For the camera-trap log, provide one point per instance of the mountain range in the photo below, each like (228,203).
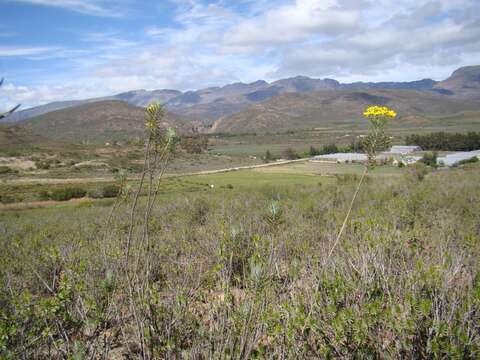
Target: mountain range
(297,102)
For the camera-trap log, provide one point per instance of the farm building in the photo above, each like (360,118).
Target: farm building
(402,149)
(453,158)
(342,157)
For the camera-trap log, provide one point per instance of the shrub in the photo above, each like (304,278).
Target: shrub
(430,159)
(6,199)
(418,171)
(110,191)
(290,154)
(313,151)
(6,170)
(42,165)
(44,195)
(329,149)
(67,194)
(268,157)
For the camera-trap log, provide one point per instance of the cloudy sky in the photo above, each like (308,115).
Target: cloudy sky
(71,49)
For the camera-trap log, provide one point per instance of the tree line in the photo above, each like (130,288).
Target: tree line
(442,141)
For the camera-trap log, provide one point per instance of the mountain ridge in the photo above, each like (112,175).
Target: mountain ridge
(214,102)
(208,106)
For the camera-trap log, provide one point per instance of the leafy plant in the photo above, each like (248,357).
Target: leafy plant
(68,193)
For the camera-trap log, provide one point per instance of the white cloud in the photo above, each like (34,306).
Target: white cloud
(90,7)
(293,22)
(16,51)
(214,43)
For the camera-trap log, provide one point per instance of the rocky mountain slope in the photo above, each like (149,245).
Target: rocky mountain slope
(340,108)
(463,83)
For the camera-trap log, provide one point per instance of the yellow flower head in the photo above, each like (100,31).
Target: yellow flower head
(379,112)
(153,114)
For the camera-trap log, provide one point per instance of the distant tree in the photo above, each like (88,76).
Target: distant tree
(290,154)
(356,146)
(11,110)
(441,141)
(195,144)
(329,149)
(268,157)
(313,151)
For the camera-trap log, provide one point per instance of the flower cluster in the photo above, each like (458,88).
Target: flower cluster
(379,111)
(153,114)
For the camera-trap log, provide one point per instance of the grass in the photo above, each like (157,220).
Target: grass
(242,272)
(294,174)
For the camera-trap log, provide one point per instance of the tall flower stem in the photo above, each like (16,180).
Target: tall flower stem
(347,216)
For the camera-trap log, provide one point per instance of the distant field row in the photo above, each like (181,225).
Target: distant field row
(294,174)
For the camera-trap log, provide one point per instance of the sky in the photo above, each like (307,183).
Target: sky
(53,50)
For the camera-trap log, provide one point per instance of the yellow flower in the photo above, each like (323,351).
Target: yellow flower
(153,114)
(379,111)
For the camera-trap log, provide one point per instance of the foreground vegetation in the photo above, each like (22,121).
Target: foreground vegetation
(243,271)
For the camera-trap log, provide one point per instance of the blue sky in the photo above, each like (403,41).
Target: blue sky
(71,49)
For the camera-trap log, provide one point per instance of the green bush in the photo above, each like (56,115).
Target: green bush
(290,154)
(44,195)
(110,191)
(42,165)
(6,170)
(418,171)
(6,199)
(329,149)
(430,159)
(67,194)
(268,157)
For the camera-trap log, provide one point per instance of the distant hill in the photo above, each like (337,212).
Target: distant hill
(207,105)
(425,84)
(42,109)
(339,107)
(101,121)
(296,102)
(463,83)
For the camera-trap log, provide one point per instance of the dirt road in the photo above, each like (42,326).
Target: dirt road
(28,181)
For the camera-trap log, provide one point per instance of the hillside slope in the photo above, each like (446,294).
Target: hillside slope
(15,136)
(101,121)
(337,108)
(463,83)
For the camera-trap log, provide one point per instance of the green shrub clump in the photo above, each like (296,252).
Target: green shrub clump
(67,194)
(6,170)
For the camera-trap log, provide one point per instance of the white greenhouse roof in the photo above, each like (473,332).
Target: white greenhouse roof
(451,159)
(402,149)
(342,157)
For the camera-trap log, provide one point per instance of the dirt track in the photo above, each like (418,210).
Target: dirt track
(39,204)
(27,181)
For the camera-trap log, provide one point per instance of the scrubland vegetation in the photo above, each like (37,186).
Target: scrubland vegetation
(300,260)
(274,262)
(244,272)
